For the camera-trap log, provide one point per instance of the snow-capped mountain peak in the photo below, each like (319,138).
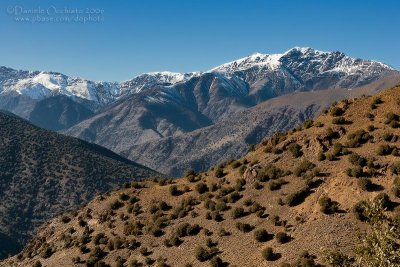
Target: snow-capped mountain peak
(297,66)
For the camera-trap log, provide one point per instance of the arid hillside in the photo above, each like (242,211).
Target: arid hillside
(43,174)
(287,202)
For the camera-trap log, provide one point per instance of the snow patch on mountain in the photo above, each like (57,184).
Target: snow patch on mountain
(296,66)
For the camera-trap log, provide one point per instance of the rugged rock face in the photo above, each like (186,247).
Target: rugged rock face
(44,173)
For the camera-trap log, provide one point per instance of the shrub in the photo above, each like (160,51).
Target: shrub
(243,227)
(37,264)
(330,157)
(116,204)
(203,254)
(261,235)
(319,124)
(308,123)
(371,128)
(95,256)
(269,172)
(47,252)
(232,198)
(377,100)
(255,208)
(339,120)
(216,262)
(276,185)
(173,190)
(355,171)
(295,149)
(395,168)
(100,238)
(328,206)
(390,117)
(239,184)
(185,229)
(237,213)
(278,138)
(330,134)
(201,188)
(268,254)
(337,149)
(65,219)
(297,197)
(336,111)
(384,150)
(337,258)
(236,164)
(257,185)
(357,160)
(303,167)
(191,176)
(358,138)
(370,116)
(359,210)
(282,237)
(321,156)
(219,173)
(383,200)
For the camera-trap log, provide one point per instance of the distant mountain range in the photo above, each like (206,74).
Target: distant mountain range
(129,116)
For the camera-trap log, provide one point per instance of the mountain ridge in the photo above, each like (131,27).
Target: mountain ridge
(41,84)
(45,173)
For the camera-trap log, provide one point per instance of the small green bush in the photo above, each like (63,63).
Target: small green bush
(174,191)
(358,138)
(356,171)
(219,173)
(244,227)
(297,197)
(328,206)
(282,238)
(201,188)
(303,167)
(321,156)
(237,212)
(357,160)
(336,111)
(261,235)
(359,210)
(384,150)
(295,150)
(268,254)
(339,120)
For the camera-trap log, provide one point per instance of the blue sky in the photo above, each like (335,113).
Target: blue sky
(133,37)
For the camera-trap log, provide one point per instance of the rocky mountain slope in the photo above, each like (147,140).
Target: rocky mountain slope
(25,92)
(295,200)
(44,174)
(155,134)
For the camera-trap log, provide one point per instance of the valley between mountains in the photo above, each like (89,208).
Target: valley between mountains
(155,118)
